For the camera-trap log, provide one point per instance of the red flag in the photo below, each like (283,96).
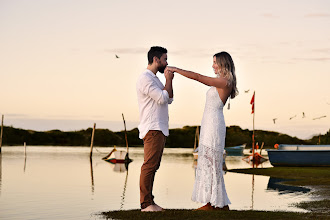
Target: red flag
(252,103)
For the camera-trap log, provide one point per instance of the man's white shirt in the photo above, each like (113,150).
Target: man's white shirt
(153,104)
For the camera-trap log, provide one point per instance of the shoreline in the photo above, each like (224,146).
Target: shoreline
(315,178)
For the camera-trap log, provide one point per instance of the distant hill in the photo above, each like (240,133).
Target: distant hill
(179,137)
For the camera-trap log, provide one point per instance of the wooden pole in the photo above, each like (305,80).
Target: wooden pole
(25,148)
(253,141)
(195,143)
(92,140)
(197,134)
(24,156)
(125,133)
(1,133)
(92,174)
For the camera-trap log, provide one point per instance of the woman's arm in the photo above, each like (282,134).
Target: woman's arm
(210,81)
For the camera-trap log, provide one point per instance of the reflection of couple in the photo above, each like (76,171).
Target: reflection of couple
(153,100)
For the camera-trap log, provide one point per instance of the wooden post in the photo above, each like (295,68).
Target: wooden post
(196,138)
(25,148)
(125,133)
(1,133)
(92,140)
(253,141)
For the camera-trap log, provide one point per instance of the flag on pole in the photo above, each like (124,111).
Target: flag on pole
(252,103)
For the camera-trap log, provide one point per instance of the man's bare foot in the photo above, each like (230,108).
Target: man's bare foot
(151,208)
(159,208)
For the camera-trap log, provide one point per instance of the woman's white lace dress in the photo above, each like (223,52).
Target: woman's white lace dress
(209,183)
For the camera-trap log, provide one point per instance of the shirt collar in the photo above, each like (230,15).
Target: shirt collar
(151,73)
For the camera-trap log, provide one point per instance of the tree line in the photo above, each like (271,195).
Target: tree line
(179,137)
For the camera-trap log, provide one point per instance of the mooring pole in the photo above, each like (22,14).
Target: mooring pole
(92,140)
(25,148)
(1,133)
(125,133)
(253,140)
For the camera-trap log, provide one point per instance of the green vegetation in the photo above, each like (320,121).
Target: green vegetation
(179,137)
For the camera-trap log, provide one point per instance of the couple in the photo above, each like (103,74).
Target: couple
(153,100)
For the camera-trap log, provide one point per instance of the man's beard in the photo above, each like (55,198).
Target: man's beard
(161,69)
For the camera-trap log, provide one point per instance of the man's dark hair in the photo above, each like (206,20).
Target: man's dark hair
(155,52)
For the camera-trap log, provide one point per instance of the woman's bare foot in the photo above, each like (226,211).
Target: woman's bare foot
(225,208)
(206,207)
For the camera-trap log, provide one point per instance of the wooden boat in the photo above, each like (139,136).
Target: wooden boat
(300,155)
(236,150)
(120,156)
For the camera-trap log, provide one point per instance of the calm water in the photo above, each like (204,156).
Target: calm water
(62,183)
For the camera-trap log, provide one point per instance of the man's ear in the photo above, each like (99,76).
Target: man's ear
(156,59)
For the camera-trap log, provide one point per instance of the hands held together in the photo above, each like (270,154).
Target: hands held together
(169,73)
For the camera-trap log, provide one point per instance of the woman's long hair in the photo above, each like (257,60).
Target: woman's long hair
(227,70)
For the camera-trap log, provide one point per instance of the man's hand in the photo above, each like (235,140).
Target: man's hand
(169,75)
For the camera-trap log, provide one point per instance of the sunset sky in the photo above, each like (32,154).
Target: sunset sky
(58,68)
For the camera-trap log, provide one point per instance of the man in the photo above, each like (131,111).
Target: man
(153,100)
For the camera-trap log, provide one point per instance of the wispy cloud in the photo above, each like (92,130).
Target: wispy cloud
(137,50)
(313,59)
(317,15)
(322,50)
(192,52)
(269,15)
(16,116)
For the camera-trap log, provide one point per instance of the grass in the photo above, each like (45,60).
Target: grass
(306,176)
(316,177)
(210,215)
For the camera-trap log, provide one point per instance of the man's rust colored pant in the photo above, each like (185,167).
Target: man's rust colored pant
(154,143)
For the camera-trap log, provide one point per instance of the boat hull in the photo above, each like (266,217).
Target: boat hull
(299,157)
(237,150)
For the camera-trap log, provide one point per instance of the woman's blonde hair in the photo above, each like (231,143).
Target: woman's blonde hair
(227,70)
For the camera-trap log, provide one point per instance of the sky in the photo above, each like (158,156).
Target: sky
(58,68)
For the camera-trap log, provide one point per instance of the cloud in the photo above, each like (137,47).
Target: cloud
(191,52)
(269,15)
(16,116)
(315,15)
(322,50)
(313,59)
(138,50)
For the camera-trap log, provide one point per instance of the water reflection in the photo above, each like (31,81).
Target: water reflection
(63,183)
(124,191)
(25,156)
(0,172)
(252,202)
(92,173)
(275,184)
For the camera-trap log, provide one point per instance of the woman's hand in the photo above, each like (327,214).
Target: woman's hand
(171,68)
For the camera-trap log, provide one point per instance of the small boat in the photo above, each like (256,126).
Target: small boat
(300,155)
(236,150)
(121,156)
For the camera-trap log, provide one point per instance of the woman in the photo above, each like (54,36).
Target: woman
(209,184)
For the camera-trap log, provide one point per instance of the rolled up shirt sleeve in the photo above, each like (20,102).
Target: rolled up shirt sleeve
(148,87)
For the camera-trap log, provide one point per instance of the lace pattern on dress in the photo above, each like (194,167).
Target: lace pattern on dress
(209,182)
